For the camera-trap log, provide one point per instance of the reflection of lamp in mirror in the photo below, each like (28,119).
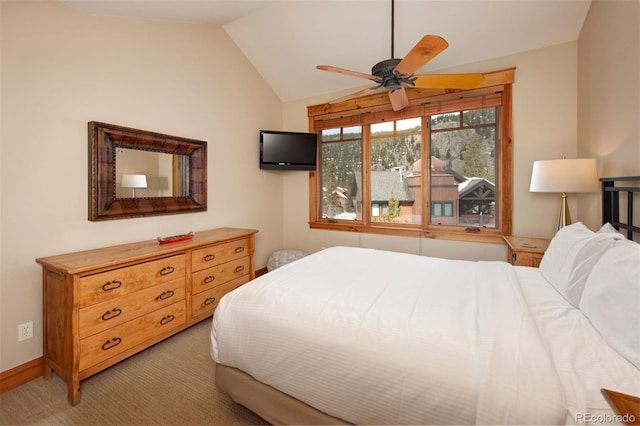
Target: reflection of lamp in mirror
(133,182)
(566,175)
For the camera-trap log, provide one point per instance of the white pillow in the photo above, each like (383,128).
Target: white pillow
(571,255)
(611,299)
(608,228)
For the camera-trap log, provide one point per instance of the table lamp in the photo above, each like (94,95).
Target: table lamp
(133,182)
(564,176)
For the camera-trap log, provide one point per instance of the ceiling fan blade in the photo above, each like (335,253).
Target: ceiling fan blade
(426,49)
(398,99)
(364,92)
(346,71)
(448,81)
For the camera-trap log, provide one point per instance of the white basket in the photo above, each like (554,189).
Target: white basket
(282,257)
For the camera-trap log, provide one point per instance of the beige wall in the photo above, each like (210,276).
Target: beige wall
(61,69)
(545,127)
(609,95)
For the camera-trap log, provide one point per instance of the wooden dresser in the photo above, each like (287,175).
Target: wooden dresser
(104,305)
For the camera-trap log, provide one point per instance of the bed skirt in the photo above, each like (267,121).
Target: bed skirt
(274,406)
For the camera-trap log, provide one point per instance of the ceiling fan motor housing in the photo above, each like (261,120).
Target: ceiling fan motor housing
(387,78)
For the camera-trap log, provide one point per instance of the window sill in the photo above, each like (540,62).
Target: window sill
(483,235)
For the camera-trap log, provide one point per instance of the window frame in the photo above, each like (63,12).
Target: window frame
(496,89)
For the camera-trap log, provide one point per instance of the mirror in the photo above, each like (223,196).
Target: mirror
(165,175)
(135,173)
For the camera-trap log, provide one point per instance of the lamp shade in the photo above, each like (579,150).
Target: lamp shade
(565,175)
(134,181)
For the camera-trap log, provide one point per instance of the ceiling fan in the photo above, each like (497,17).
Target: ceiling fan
(394,75)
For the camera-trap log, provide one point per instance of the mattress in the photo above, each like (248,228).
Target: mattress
(275,407)
(376,337)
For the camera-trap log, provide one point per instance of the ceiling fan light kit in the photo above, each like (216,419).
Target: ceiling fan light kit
(395,75)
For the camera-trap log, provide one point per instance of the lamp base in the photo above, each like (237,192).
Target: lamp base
(565,216)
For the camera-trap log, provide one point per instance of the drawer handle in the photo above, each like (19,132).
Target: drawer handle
(165,295)
(239,249)
(111,285)
(167,319)
(209,279)
(209,300)
(167,270)
(209,257)
(111,314)
(111,343)
(239,268)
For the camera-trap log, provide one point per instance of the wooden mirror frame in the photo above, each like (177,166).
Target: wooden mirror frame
(104,139)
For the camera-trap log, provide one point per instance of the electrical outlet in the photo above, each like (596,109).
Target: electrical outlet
(25,331)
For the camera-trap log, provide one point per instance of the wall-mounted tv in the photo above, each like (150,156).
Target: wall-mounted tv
(287,150)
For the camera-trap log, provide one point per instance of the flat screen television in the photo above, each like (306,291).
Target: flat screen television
(287,150)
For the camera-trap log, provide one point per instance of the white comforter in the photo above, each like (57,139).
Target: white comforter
(376,337)
(584,361)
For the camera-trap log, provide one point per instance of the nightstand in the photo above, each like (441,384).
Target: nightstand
(623,405)
(524,251)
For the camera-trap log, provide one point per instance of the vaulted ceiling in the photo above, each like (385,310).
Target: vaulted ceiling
(285,40)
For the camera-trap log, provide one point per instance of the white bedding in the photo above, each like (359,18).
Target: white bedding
(584,361)
(376,337)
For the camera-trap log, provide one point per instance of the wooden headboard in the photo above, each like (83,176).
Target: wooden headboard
(611,202)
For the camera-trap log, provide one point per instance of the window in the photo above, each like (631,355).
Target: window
(341,160)
(442,209)
(463,168)
(395,147)
(440,167)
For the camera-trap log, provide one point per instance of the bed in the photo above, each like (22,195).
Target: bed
(363,336)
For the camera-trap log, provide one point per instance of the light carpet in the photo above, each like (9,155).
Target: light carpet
(171,383)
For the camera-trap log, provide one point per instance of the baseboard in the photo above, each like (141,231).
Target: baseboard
(21,374)
(261,271)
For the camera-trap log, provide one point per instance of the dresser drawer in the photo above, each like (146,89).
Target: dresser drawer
(205,302)
(103,315)
(211,277)
(106,285)
(219,253)
(113,341)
